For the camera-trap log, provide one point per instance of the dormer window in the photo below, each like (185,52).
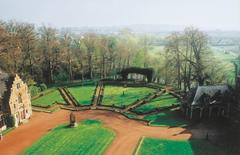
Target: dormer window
(18,85)
(20,98)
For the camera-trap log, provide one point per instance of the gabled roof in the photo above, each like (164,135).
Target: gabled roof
(209,90)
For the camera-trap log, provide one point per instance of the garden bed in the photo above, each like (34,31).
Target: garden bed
(164,101)
(48,99)
(119,96)
(83,94)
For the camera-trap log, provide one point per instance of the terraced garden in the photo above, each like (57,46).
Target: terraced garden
(88,138)
(167,118)
(83,94)
(165,100)
(48,99)
(152,146)
(120,96)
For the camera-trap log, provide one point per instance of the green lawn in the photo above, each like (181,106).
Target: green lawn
(113,95)
(83,94)
(163,101)
(48,99)
(168,118)
(153,146)
(88,138)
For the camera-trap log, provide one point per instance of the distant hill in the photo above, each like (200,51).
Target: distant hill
(137,28)
(163,29)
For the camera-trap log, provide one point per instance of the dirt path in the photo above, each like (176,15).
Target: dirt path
(128,132)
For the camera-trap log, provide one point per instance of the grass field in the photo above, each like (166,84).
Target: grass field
(88,138)
(48,99)
(83,94)
(152,146)
(163,101)
(113,95)
(168,118)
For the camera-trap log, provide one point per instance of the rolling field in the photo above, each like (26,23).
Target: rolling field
(48,99)
(83,94)
(163,101)
(113,95)
(88,138)
(152,146)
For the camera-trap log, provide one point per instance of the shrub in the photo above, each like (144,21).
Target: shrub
(10,121)
(34,90)
(43,86)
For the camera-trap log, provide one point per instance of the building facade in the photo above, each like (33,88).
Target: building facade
(15,100)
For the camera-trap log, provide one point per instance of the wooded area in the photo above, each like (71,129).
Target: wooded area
(47,55)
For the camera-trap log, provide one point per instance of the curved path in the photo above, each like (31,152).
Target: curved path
(128,132)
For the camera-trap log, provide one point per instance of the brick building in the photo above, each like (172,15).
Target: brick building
(15,100)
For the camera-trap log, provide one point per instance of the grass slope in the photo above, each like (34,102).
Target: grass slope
(48,99)
(168,118)
(152,146)
(88,138)
(165,100)
(113,95)
(83,94)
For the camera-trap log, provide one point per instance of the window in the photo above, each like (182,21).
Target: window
(18,85)
(20,98)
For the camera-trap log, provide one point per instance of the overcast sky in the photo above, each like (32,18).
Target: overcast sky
(207,14)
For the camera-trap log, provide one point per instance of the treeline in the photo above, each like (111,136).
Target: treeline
(45,54)
(191,61)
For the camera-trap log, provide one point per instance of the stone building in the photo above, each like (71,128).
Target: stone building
(207,102)
(15,100)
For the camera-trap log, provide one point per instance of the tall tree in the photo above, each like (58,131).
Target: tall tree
(50,52)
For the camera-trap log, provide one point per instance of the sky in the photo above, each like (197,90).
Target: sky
(206,14)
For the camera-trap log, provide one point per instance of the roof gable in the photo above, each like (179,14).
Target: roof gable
(209,90)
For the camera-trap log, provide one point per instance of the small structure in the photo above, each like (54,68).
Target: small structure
(15,100)
(148,72)
(72,122)
(207,101)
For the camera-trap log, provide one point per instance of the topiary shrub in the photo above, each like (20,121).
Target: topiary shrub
(43,86)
